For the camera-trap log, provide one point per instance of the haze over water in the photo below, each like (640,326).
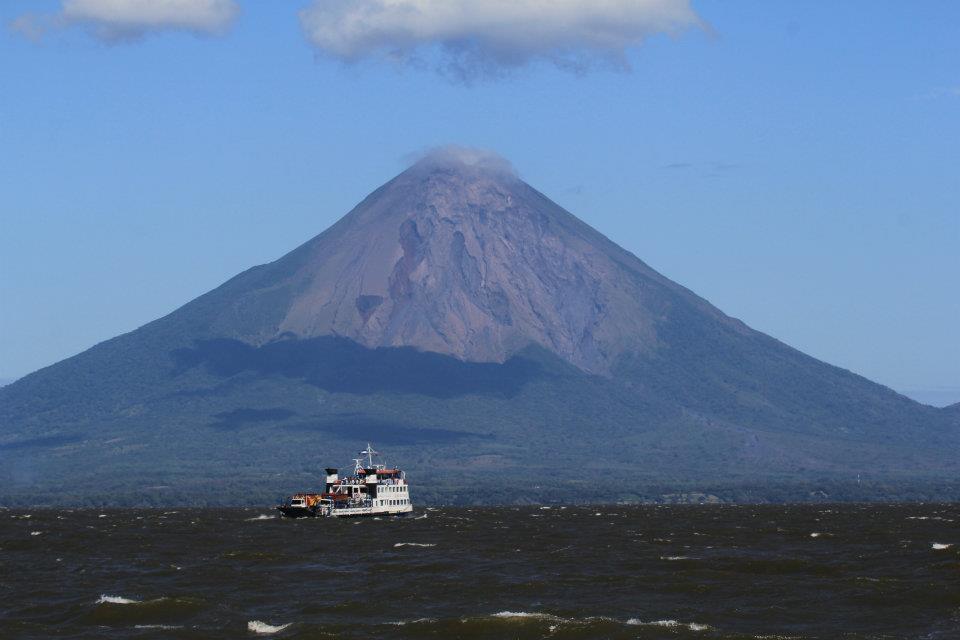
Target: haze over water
(805,572)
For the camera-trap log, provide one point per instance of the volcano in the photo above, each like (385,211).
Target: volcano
(488,339)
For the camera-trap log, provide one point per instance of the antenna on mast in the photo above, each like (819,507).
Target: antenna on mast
(369,452)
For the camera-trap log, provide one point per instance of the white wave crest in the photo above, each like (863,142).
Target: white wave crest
(674,557)
(105,599)
(528,614)
(262,627)
(692,626)
(940,546)
(36,533)
(262,516)
(415,544)
(815,534)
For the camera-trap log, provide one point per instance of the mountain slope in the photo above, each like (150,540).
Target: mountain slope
(462,260)
(462,319)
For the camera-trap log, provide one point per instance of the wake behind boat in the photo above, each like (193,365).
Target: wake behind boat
(372,490)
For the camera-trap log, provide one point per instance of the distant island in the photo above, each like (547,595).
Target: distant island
(492,341)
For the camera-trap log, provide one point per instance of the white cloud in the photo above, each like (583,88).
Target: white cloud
(132,19)
(487,37)
(462,158)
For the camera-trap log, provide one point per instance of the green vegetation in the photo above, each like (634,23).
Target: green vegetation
(225,423)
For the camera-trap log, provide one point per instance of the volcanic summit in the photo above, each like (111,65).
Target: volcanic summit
(458,256)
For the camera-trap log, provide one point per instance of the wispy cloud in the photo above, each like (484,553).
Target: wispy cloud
(469,39)
(462,158)
(117,20)
(943,92)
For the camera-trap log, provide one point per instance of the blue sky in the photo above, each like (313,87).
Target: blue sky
(797,164)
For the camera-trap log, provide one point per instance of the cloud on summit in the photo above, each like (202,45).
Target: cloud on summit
(462,157)
(117,20)
(483,38)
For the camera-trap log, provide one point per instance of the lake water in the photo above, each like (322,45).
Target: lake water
(707,572)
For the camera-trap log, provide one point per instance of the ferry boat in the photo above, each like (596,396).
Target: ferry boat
(372,490)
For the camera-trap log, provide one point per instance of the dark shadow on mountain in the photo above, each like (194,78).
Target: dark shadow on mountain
(43,442)
(384,432)
(341,365)
(230,420)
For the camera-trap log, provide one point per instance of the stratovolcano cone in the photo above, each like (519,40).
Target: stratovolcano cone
(460,257)
(455,312)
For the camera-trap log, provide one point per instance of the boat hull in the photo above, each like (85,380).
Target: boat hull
(349,512)
(372,514)
(297,512)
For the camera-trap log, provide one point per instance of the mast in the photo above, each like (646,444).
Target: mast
(369,452)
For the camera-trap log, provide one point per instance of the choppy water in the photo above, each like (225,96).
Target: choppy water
(608,572)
